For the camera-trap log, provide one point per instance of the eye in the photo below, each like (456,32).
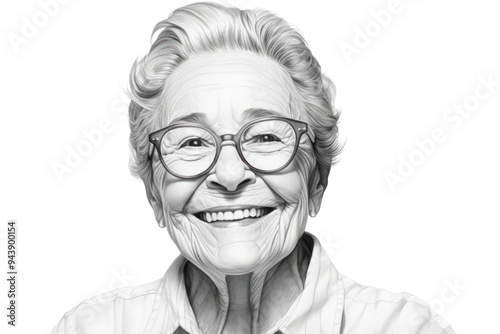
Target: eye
(266,138)
(194,142)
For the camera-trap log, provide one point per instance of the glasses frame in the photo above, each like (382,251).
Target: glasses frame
(299,127)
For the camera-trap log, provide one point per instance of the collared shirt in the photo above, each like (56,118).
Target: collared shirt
(330,303)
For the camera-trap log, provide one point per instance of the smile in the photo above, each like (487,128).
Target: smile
(218,216)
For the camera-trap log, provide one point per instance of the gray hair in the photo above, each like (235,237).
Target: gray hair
(208,27)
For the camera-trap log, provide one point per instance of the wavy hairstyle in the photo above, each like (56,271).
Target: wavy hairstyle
(204,27)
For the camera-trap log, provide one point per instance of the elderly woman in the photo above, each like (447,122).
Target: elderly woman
(233,133)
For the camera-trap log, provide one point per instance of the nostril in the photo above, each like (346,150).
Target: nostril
(244,183)
(215,183)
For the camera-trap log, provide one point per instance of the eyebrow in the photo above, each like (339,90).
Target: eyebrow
(254,113)
(196,117)
(248,115)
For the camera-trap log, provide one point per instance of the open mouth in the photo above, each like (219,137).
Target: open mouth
(235,215)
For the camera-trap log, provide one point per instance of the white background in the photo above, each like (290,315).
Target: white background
(93,230)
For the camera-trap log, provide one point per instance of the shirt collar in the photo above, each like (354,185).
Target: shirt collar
(318,308)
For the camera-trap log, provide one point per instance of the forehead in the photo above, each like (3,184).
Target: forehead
(224,86)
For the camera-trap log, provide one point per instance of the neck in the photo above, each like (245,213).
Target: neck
(249,303)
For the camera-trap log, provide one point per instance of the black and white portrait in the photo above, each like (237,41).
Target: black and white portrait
(251,167)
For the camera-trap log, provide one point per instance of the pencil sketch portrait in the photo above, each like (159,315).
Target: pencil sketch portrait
(233,133)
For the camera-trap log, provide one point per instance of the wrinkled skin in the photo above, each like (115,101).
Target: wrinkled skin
(235,257)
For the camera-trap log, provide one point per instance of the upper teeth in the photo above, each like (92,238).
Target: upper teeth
(231,215)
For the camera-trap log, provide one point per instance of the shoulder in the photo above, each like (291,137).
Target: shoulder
(371,310)
(126,310)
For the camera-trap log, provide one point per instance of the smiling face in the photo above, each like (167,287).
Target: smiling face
(233,220)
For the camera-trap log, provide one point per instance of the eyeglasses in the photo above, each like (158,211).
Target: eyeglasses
(266,145)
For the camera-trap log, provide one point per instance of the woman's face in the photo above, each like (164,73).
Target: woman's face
(221,87)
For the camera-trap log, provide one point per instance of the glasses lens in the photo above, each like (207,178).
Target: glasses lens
(188,151)
(268,145)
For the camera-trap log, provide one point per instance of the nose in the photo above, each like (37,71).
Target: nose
(231,173)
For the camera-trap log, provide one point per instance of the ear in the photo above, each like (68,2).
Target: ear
(317,185)
(156,204)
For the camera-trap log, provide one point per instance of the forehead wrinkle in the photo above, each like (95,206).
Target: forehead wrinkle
(193,77)
(202,85)
(194,117)
(267,66)
(195,68)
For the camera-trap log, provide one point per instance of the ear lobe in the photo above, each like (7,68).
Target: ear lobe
(155,204)
(317,186)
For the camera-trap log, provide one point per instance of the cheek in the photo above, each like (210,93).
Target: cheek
(291,183)
(288,185)
(174,192)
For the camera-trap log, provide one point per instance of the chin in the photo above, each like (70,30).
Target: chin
(239,258)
